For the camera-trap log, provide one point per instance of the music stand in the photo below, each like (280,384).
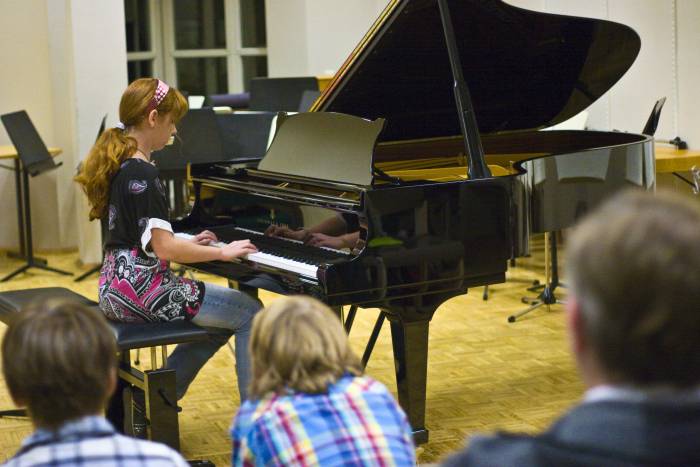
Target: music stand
(198,140)
(246,134)
(34,159)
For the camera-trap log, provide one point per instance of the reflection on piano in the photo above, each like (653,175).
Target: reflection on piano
(425,239)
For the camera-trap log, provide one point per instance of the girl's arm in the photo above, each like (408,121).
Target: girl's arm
(170,248)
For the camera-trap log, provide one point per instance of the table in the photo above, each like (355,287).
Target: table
(671,160)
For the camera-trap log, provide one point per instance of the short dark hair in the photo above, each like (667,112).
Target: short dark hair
(634,268)
(57,358)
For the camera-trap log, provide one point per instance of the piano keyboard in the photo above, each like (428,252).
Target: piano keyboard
(277,252)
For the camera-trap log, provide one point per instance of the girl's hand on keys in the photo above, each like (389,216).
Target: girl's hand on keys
(237,249)
(205,238)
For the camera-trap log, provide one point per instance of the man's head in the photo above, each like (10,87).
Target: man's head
(59,360)
(634,307)
(298,343)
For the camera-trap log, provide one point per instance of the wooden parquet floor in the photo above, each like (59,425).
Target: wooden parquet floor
(484,373)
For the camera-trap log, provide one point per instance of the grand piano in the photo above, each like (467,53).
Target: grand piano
(426,145)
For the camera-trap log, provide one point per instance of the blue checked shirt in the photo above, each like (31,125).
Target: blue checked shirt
(91,441)
(356,423)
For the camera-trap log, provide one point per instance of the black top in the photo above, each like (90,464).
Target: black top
(524,69)
(136,196)
(135,285)
(606,433)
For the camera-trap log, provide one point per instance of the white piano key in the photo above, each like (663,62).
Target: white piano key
(268,259)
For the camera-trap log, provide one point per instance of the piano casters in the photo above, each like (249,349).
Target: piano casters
(547,296)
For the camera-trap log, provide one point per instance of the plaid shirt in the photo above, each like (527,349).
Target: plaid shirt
(357,422)
(91,441)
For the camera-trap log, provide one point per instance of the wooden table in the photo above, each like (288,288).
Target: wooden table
(671,160)
(9,152)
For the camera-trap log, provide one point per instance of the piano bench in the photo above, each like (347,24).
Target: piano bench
(157,385)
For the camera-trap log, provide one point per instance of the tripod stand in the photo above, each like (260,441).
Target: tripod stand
(26,233)
(547,296)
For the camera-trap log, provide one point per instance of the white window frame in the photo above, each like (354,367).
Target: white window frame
(156,39)
(233,52)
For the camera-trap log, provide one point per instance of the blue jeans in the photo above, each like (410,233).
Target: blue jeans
(223,312)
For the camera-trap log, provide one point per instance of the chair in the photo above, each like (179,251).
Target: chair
(35,159)
(239,100)
(274,94)
(158,385)
(308,98)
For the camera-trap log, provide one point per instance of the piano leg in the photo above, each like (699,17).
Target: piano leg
(410,343)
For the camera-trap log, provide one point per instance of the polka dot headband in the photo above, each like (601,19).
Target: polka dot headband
(161,91)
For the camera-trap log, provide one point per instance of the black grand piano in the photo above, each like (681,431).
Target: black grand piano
(426,146)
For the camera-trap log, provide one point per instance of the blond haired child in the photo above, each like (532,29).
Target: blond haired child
(309,402)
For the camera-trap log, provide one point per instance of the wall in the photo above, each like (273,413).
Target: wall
(286,38)
(313,37)
(26,85)
(334,27)
(68,62)
(665,67)
(667,64)
(99,68)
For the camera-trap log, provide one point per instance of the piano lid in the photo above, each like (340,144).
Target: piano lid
(525,70)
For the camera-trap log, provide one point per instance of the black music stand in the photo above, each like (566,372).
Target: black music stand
(547,297)
(35,159)
(198,140)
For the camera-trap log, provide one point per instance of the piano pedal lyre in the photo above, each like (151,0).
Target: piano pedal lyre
(352,312)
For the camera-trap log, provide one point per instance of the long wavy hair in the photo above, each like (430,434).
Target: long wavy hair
(114,145)
(298,344)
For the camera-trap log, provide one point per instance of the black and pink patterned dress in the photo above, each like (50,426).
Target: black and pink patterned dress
(135,285)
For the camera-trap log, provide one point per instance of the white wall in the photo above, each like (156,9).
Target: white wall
(286,38)
(314,37)
(99,68)
(68,62)
(25,84)
(666,65)
(334,28)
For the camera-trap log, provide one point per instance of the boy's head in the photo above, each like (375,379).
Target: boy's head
(59,360)
(634,308)
(298,343)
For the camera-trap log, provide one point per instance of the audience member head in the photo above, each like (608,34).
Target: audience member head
(59,360)
(634,306)
(298,344)
(148,107)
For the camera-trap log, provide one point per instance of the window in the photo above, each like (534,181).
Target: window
(141,54)
(200,46)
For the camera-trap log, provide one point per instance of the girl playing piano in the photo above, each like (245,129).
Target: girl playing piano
(136,282)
